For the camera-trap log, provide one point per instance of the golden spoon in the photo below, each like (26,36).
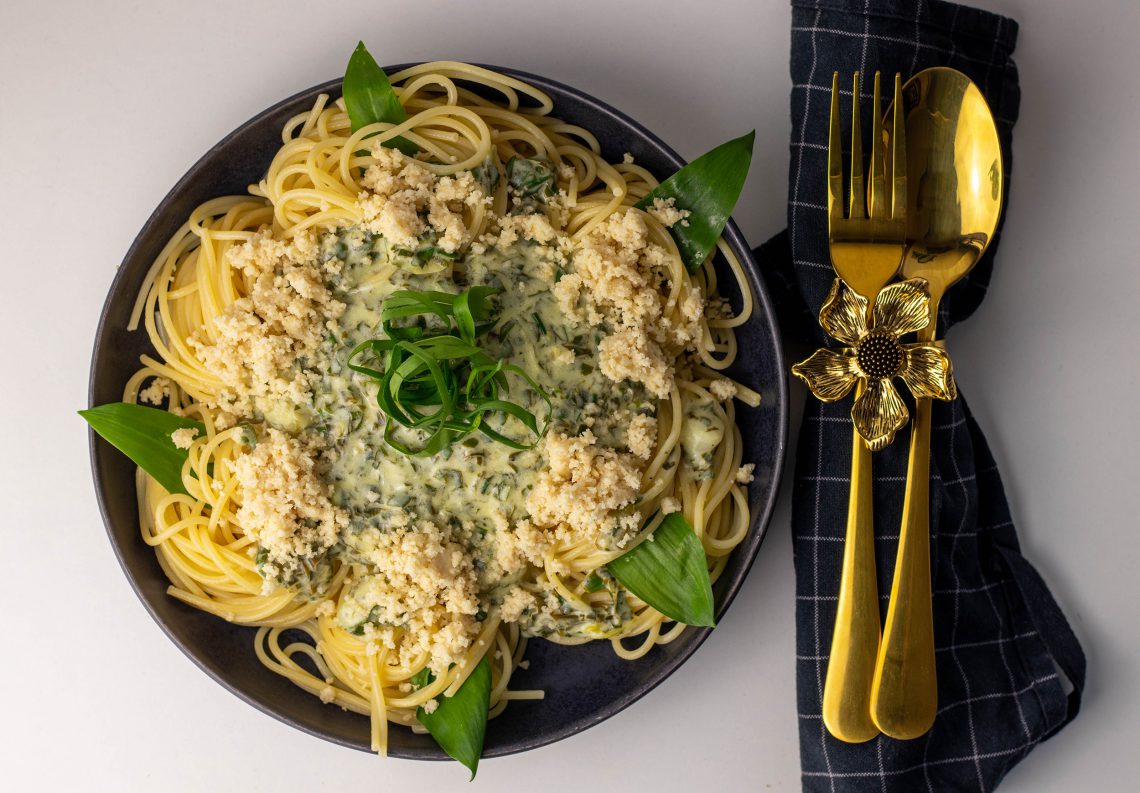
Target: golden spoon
(954,197)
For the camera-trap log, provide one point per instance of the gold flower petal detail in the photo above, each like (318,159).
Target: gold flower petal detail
(929,372)
(876,356)
(903,307)
(829,374)
(844,314)
(879,413)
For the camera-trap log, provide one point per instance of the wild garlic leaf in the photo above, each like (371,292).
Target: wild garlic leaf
(143,434)
(369,98)
(459,723)
(708,187)
(422,678)
(668,570)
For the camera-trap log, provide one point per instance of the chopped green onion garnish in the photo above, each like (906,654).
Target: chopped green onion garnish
(442,368)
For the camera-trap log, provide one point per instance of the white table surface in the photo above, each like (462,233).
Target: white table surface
(104,105)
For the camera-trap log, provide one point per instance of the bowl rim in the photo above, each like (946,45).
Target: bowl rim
(763,311)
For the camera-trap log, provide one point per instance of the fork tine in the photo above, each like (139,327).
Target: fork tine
(834,157)
(858,192)
(877,189)
(898,155)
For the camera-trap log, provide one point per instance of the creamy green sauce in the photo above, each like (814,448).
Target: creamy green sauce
(701,433)
(476,482)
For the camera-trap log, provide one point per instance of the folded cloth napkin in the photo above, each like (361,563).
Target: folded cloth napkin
(1004,649)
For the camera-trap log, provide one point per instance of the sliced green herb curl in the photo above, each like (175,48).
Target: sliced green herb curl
(708,188)
(143,434)
(369,98)
(466,313)
(434,362)
(669,571)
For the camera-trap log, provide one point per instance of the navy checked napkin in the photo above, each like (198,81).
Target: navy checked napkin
(1010,670)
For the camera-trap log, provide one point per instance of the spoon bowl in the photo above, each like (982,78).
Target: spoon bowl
(954,170)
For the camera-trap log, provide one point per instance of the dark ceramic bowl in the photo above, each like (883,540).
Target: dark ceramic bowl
(583,684)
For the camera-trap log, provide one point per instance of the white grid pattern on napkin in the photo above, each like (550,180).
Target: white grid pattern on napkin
(829,35)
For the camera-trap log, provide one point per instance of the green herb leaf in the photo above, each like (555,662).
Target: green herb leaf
(708,187)
(422,678)
(369,98)
(459,723)
(669,571)
(143,434)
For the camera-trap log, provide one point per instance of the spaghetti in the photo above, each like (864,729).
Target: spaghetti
(326,211)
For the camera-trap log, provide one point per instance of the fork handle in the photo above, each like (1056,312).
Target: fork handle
(904,697)
(855,639)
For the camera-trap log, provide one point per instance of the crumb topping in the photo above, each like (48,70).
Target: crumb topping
(285,506)
(582,489)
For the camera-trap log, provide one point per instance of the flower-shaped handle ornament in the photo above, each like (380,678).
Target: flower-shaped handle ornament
(876,355)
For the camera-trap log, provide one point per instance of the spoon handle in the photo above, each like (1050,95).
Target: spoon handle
(904,695)
(855,639)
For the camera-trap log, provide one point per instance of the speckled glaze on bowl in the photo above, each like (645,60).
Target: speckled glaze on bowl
(584,685)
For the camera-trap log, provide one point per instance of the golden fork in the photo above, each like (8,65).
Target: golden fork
(867,246)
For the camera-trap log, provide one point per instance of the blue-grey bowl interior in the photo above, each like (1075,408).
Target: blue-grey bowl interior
(584,684)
